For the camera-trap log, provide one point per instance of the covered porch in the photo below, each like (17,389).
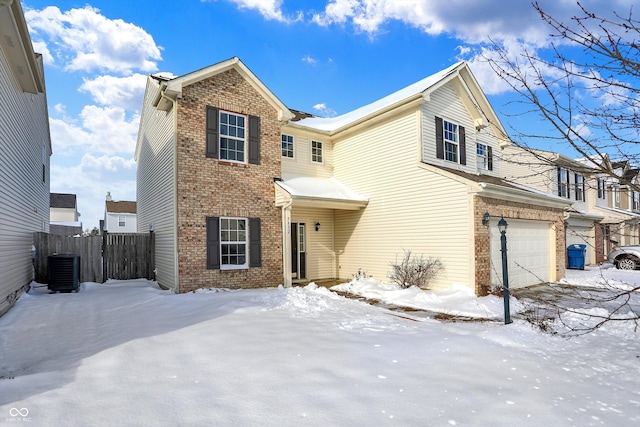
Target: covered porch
(309,227)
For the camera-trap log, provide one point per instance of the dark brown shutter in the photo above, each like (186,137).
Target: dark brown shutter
(213,243)
(490,158)
(462,145)
(254,140)
(255,245)
(212,132)
(439,139)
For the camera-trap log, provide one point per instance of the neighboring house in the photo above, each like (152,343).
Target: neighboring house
(243,192)
(554,173)
(25,148)
(120,216)
(64,215)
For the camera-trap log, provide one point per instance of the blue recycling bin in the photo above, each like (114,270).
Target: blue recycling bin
(576,256)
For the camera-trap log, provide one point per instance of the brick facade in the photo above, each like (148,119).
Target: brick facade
(511,210)
(209,187)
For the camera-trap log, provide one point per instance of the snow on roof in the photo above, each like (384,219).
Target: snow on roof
(333,123)
(321,188)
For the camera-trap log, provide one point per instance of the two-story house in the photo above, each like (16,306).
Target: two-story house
(570,179)
(25,148)
(120,216)
(63,214)
(244,192)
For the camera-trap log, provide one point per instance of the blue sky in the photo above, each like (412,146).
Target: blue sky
(324,57)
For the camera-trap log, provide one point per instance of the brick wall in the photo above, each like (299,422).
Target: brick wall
(211,187)
(511,210)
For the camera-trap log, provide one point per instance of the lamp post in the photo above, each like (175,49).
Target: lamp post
(502,226)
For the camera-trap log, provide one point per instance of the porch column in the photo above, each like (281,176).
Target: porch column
(286,244)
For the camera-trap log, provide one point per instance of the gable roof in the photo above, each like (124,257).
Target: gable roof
(16,44)
(62,200)
(121,207)
(463,81)
(173,87)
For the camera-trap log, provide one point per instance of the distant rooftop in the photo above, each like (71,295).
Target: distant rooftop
(62,200)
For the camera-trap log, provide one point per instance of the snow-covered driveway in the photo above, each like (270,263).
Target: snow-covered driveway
(128,353)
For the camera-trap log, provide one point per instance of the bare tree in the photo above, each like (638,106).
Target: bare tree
(587,90)
(585,87)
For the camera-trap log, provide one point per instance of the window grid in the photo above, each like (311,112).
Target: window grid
(316,151)
(579,188)
(121,221)
(232,137)
(233,242)
(563,182)
(601,192)
(450,141)
(635,196)
(287,146)
(482,156)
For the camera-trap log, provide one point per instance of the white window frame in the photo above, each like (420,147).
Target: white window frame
(450,141)
(635,200)
(317,151)
(616,196)
(289,140)
(237,242)
(579,189)
(482,154)
(235,133)
(122,221)
(564,189)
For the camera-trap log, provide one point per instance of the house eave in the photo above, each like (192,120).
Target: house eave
(521,196)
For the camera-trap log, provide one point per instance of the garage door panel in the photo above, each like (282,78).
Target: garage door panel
(528,253)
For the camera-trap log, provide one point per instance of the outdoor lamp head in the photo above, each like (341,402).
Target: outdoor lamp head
(502,225)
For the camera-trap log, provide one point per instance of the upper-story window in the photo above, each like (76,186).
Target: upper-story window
(316,151)
(601,190)
(450,142)
(635,200)
(484,156)
(232,137)
(287,146)
(563,182)
(579,187)
(122,221)
(616,196)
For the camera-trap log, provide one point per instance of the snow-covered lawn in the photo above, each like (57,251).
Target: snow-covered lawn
(128,353)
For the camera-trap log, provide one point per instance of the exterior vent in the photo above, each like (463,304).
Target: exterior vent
(63,273)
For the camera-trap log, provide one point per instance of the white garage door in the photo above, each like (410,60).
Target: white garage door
(528,253)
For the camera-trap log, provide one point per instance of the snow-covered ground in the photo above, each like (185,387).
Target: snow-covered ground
(128,353)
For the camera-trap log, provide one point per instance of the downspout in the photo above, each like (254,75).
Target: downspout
(286,243)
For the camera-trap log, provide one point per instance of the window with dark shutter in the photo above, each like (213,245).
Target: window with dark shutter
(254,140)
(489,158)
(255,243)
(213,243)
(463,145)
(439,139)
(212,132)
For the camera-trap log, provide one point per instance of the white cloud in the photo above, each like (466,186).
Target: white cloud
(324,111)
(83,39)
(269,9)
(104,130)
(126,92)
(308,59)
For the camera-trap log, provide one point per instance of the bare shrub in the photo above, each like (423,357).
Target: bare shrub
(415,271)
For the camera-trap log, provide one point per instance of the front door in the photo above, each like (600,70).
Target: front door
(298,250)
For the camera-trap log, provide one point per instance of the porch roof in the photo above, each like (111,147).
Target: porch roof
(329,193)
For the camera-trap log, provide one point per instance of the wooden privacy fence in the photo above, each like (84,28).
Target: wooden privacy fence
(110,256)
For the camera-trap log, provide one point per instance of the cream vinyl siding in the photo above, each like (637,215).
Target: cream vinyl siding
(320,256)
(410,208)
(445,103)
(24,197)
(301,164)
(156,191)
(521,166)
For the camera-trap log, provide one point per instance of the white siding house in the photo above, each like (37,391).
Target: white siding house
(25,148)
(120,216)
